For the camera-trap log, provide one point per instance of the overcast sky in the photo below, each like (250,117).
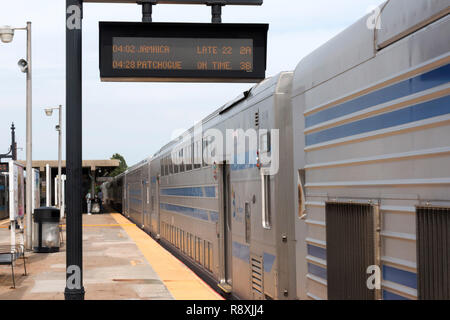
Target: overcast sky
(136,119)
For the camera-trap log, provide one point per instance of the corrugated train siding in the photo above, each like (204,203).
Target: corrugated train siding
(350,250)
(433,250)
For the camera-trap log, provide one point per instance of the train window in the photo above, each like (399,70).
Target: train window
(176,166)
(189,157)
(206,154)
(181,154)
(247,222)
(198,155)
(264,142)
(169,160)
(166,166)
(266,212)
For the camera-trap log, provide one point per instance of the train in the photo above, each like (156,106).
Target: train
(339,187)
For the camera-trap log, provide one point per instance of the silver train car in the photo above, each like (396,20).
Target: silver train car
(371,115)
(210,213)
(359,207)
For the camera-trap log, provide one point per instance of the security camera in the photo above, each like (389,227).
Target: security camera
(23,65)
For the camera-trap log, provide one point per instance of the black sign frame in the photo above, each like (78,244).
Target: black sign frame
(256,32)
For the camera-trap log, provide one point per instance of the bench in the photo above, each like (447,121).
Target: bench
(9,254)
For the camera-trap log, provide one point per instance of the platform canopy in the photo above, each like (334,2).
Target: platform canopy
(92,164)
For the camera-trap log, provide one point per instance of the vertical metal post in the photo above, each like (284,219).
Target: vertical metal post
(29,166)
(48,188)
(216,11)
(147,10)
(74,257)
(61,212)
(13,142)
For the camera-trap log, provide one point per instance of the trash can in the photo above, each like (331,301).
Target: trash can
(46,230)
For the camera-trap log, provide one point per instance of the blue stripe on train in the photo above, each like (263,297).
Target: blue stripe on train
(317,271)
(414,113)
(402,277)
(402,89)
(191,212)
(392,296)
(208,192)
(317,252)
(241,251)
(268,259)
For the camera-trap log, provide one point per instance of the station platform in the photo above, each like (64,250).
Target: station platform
(120,262)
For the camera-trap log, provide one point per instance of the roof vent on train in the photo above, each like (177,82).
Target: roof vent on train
(401,18)
(235,102)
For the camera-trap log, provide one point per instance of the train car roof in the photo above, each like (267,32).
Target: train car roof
(359,43)
(241,102)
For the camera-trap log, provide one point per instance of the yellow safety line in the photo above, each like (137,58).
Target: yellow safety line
(181,282)
(105,225)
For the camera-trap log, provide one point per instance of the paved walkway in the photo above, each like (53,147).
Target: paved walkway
(120,262)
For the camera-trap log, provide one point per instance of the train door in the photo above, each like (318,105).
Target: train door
(127,195)
(157,207)
(225,230)
(144,202)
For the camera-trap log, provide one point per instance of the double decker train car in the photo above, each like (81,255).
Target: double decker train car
(228,220)
(371,125)
(359,207)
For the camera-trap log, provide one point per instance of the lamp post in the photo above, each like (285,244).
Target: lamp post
(49,112)
(7,36)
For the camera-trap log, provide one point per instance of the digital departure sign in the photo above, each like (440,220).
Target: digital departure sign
(182,52)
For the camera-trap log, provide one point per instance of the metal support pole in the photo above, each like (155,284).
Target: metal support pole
(147,10)
(74,257)
(13,142)
(61,212)
(216,11)
(29,166)
(48,186)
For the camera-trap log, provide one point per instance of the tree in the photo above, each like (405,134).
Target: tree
(122,165)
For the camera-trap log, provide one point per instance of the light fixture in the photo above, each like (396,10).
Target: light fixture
(49,112)
(6,34)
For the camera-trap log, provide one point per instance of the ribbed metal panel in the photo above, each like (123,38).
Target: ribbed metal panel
(257,277)
(433,253)
(351,249)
